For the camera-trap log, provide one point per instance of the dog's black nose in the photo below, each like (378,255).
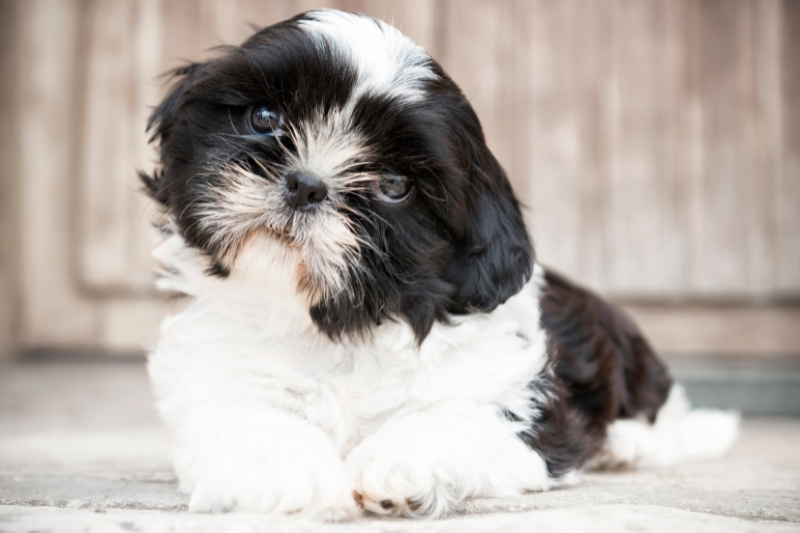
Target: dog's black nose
(303,190)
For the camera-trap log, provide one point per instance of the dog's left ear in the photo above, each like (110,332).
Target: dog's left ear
(494,257)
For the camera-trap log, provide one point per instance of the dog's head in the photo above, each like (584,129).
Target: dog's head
(335,135)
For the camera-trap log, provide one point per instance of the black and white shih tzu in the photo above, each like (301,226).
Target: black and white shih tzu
(367,325)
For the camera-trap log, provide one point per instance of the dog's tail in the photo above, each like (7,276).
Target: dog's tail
(678,433)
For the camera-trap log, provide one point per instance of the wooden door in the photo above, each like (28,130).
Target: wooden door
(655,143)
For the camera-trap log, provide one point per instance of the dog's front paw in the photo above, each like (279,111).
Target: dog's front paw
(424,464)
(296,472)
(393,479)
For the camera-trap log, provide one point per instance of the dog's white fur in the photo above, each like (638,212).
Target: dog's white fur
(388,62)
(255,392)
(679,433)
(270,415)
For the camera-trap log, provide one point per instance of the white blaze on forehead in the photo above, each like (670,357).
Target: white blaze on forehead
(388,62)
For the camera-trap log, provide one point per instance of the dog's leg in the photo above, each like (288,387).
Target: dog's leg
(260,459)
(423,463)
(240,439)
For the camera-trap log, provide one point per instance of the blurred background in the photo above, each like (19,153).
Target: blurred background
(655,144)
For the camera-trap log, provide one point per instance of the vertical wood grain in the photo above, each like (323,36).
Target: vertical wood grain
(9,190)
(573,95)
(51,312)
(765,135)
(123,49)
(193,28)
(788,188)
(656,142)
(720,98)
(648,191)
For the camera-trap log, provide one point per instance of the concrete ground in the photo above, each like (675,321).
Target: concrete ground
(81,449)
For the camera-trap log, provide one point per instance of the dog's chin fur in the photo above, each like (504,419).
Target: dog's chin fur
(357,356)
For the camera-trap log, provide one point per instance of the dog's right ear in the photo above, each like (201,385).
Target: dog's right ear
(161,124)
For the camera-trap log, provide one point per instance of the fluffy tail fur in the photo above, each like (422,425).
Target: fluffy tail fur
(679,433)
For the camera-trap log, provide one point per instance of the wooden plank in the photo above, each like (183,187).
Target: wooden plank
(720,97)
(190,30)
(55,311)
(230,22)
(573,99)
(720,331)
(9,181)
(658,142)
(788,187)
(764,125)
(51,314)
(123,59)
(647,188)
(521,107)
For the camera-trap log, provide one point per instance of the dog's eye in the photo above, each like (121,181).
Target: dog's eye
(392,189)
(264,121)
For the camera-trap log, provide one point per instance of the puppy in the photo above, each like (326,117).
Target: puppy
(367,325)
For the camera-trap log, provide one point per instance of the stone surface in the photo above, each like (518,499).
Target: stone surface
(81,449)
(611,518)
